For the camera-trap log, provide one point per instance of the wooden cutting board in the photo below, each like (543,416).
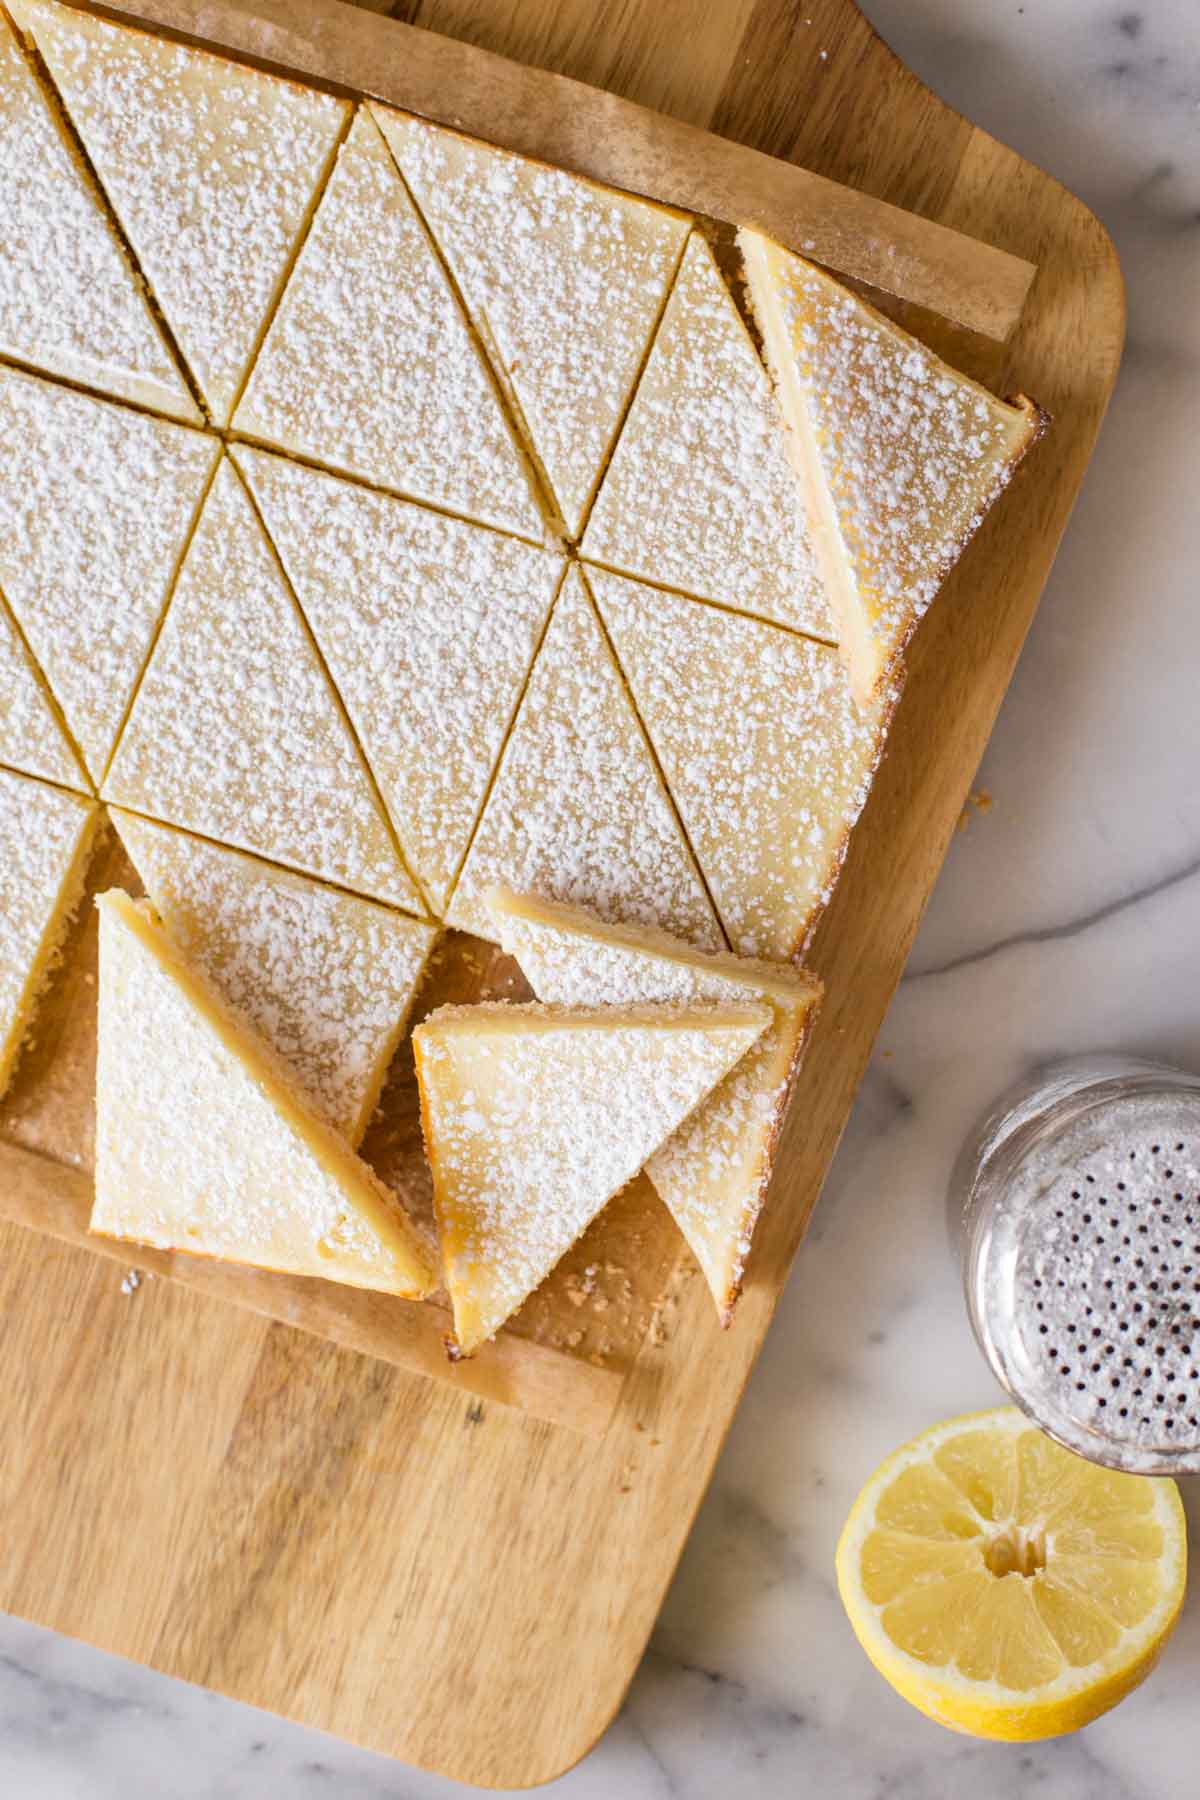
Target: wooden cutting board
(334,1537)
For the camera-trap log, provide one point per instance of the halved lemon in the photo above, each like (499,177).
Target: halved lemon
(1004,1585)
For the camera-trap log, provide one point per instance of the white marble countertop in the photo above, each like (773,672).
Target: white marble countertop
(1068,918)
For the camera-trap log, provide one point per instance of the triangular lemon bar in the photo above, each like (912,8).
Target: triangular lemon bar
(210,167)
(96,503)
(765,753)
(577,810)
(46,839)
(203,1142)
(69,299)
(236,732)
(452,614)
(899,456)
(535,1116)
(369,365)
(565,282)
(31,738)
(327,978)
(713,1171)
(699,494)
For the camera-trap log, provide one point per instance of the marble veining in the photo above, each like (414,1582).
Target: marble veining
(1068,918)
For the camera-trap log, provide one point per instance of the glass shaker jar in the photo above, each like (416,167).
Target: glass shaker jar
(1076,1208)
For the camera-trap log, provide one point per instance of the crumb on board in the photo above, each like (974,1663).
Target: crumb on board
(979,800)
(131,1281)
(665,1315)
(663,1321)
(581,1287)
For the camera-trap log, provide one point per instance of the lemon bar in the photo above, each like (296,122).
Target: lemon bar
(578,810)
(31,737)
(327,978)
(203,1142)
(369,366)
(700,495)
(236,732)
(565,281)
(211,168)
(713,1172)
(452,613)
(535,1116)
(765,753)
(70,302)
(46,839)
(899,456)
(96,503)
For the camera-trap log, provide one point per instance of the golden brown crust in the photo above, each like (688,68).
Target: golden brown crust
(753,1212)
(890,691)
(73,889)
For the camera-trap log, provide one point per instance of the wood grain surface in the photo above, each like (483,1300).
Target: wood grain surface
(323,1534)
(561,1358)
(981,286)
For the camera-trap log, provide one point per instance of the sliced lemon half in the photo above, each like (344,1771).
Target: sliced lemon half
(1004,1585)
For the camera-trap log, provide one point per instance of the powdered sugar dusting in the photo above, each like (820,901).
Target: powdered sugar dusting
(368,365)
(194,1153)
(577,968)
(235,731)
(700,495)
(564,281)
(31,738)
(327,978)
(211,168)
(765,753)
(712,1173)
(69,300)
(41,830)
(913,453)
(95,506)
(536,1116)
(450,612)
(577,811)
(573,957)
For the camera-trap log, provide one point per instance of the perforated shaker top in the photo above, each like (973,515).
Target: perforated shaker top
(1106,1283)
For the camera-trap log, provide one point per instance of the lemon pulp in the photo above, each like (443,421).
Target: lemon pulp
(1004,1585)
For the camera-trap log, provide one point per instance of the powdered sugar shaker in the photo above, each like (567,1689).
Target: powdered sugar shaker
(1076,1206)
